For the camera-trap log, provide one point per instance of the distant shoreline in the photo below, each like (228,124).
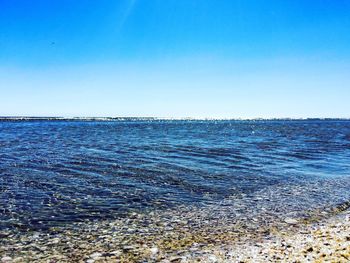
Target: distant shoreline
(34,118)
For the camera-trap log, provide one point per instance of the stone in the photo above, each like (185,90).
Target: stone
(55,240)
(18,260)
(116,253)
(6,259)
(291,221)
(175,259)
(127,248)
(154,250)
(95,255)
(212,258)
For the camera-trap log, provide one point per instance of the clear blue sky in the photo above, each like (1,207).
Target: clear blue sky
(175,58)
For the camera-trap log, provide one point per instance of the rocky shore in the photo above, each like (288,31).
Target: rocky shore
(240,229)
(325,241)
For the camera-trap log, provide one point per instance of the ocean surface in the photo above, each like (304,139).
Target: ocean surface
(55,172)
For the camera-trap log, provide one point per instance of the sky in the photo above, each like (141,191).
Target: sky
(175,58)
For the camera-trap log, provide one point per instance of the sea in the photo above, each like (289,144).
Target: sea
(56,172)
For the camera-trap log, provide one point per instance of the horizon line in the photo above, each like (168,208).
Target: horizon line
(121,118)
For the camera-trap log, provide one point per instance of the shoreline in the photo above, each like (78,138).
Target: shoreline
(325,241)
(136,119)
(148,238)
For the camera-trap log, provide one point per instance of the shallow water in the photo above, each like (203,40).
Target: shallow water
(57,172)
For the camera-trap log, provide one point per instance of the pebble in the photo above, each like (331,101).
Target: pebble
(175,259)
(115,253)
(154,250)
(291,221)
(127,248)
(55,240)
(212,258)
(6,259)
(95,255)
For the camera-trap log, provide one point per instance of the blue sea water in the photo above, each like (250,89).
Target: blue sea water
(54,172)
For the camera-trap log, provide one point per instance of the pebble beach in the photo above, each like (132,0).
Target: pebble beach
(326,241)
(148,238)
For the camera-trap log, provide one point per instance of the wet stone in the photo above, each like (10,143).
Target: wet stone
(6,259)
(291,221)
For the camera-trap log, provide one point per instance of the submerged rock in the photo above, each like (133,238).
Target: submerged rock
(6,259)
(291,221)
